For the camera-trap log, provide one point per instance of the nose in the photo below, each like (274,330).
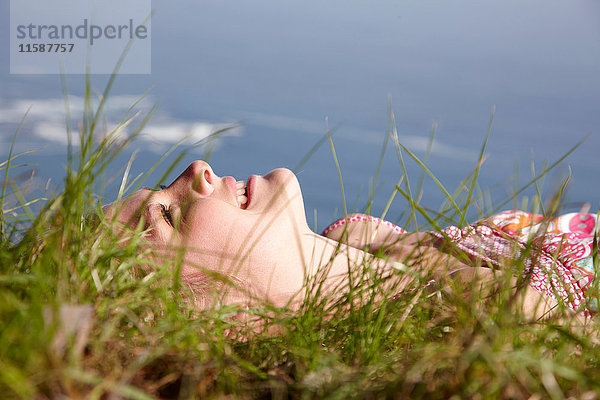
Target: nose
(201,176)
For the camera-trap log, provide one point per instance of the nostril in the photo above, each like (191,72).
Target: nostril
(207,176)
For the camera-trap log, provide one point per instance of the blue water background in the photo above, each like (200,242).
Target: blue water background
(282,69)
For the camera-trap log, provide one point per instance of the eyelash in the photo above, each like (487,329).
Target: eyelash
(166,214)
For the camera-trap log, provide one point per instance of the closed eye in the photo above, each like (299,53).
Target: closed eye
(166,213)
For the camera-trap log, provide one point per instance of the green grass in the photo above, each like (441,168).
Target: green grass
(136,337)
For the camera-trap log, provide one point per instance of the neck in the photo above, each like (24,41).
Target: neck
(332,264)
(309,258)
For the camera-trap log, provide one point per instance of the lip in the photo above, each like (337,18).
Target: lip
(230,182)
(250,189)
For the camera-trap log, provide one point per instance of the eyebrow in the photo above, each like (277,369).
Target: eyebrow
(161,187)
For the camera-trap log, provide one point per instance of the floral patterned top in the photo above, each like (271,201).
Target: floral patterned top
(557,254)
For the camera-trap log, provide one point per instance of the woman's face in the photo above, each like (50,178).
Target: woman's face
(241,229)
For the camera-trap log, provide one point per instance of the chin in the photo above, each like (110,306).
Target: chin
(287,179)
(283,175)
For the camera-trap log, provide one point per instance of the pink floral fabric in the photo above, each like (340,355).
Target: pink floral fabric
(556,254)
(362,218)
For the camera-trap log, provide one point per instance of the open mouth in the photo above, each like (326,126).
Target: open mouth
(244,191)
(242,194)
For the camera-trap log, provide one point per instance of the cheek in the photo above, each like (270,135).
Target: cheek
(215,228)
(218,236)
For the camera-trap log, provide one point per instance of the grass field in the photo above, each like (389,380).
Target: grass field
(78,321)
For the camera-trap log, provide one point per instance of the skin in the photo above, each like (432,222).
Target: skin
(260,241)
(265,246)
